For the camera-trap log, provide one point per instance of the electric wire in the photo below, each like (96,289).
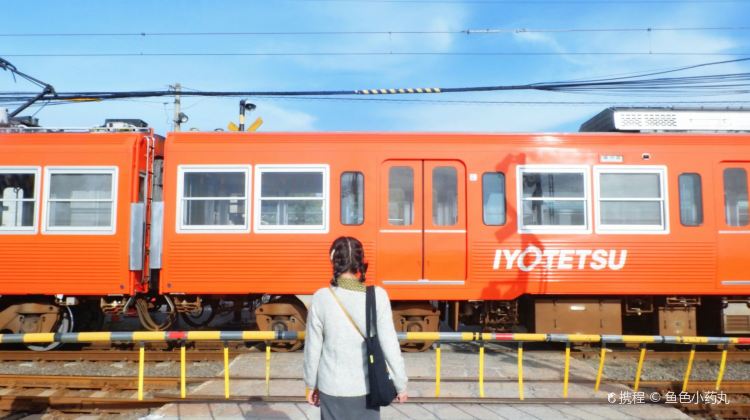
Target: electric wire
(526,2)
(645,83)
(479,31)
(383,54)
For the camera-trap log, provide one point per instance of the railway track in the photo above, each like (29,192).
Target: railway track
(111,355)
(77,394)
(84,394)
(82,405)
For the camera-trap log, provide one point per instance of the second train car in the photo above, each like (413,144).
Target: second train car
(592,232)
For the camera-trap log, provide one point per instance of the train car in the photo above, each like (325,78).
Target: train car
(590,232)
(638,224)
(72,210)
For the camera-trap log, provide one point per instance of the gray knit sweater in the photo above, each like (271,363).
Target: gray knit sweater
(334,351)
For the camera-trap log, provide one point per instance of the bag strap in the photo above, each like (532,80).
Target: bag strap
(349,317)
(371,311)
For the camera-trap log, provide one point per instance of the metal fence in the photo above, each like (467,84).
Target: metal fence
(182,337)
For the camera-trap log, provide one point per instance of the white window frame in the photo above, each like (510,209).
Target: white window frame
(80,170)
(322,168)
(184,169)
(37,172)
(632,169)
(552,229)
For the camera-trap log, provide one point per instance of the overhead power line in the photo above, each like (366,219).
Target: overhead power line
(525,2)
(477,31)
(696,102)
(645,83)
(381,54)
(738,83)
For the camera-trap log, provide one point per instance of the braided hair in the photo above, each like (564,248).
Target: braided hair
(347,256)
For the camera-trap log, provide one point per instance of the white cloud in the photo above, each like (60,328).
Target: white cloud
(389,16)
(284,118)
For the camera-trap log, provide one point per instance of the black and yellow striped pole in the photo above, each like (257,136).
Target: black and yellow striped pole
(244,106)
(398,91)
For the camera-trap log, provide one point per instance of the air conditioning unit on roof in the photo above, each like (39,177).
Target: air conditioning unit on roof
(669,119)
(124,124)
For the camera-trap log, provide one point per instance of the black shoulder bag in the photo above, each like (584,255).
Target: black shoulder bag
(382,390)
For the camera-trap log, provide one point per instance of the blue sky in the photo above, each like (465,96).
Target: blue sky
(361,72)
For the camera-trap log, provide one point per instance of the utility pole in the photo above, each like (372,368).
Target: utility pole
(177,118)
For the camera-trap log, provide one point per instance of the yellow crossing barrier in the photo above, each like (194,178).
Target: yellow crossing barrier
(639,368)
(566,375)
(268,369)
(688,369)
(226,371)
(181,337)
(437,370)
(520,371)
(602,355)
(141,357)
(182,371)
(722,366)
(481,370)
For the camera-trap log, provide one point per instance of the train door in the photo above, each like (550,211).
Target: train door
(733,224)
(422,222)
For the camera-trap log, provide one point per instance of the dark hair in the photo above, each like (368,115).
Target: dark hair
(347,255)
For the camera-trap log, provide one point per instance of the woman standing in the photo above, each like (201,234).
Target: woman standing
(335,355)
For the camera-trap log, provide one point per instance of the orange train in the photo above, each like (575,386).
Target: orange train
(591,232)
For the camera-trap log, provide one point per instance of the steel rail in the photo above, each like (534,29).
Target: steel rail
(168,382)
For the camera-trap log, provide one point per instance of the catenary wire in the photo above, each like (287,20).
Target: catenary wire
(525,2)
(381,54)
(478,31)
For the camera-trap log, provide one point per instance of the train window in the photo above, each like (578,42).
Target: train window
(493,198)
(352,198)
(19,189)
(691,200)
(444,196)
(80,200)
(553,199)
(142,187)
(291,198)
(631,200)
(400,196)
(735,196)
(213,198)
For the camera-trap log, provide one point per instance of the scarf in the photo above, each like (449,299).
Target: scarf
(351,283)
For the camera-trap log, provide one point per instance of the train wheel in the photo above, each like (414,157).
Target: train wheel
(64,324)
(415,317)
(285,314)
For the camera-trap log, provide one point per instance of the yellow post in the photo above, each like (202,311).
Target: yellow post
(268,370)
(481,370)
(437,370)
(182,371)
(689,368)
(520,371)
(226,371)
(566,375)
(602,355)
(640,367)
(141,357)
(722,366)
(255,125)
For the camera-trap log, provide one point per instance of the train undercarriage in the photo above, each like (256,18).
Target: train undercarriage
(650,315)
